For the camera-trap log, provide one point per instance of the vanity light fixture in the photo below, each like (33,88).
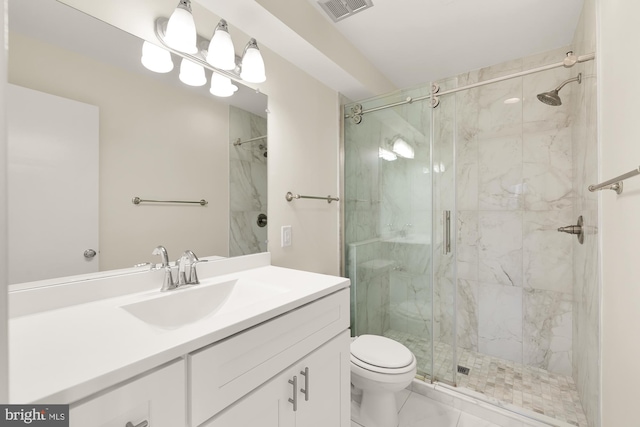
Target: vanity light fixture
(155,58)
(403,149)
(181,32)
(252,68)
(192,74)
(221,53)
(179,35)
(222,86)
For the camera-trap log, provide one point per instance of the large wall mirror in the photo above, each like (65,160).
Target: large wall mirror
(90,129)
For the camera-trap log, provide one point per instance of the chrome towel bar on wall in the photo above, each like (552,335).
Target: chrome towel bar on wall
(615,184)
(240,141)
(290,196)
(137,200)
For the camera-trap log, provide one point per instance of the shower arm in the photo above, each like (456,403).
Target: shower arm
(578,79)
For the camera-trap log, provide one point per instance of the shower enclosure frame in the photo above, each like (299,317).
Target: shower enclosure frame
(436,97)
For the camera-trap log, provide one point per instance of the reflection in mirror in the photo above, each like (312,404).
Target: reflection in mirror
(248,166)
(90,128)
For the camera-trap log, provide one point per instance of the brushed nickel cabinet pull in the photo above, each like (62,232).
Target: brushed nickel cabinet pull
(305,390)
(294,401)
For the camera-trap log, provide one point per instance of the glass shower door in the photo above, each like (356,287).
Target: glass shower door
(445,235)
(388,221)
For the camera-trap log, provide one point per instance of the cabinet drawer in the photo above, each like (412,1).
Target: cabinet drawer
(226,371)
(158,397)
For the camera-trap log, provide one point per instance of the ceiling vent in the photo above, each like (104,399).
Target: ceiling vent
(341,9)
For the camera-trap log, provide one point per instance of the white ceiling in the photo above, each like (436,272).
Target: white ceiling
(415,41)
(412,42)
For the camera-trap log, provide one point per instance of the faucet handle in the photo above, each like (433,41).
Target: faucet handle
(168,282)
(182,276)
(193,274)
(190,278)
(192,258)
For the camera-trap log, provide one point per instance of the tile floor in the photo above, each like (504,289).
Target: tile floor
(532,389)
(420,411)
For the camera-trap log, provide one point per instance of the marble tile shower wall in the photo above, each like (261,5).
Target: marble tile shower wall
(248,183)
(514,189)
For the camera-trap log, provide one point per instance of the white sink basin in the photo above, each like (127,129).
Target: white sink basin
(182,306)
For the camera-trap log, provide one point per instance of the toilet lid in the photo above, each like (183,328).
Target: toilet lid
(380,351)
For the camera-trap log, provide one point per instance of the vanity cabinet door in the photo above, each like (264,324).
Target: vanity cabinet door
(228,370)
(268,406)
(158,398)
(324,393)
(328,405)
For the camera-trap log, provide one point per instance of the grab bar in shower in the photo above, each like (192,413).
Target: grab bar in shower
(615,184)
(290,196)
(137,200)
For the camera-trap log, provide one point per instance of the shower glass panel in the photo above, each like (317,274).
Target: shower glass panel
(389,175)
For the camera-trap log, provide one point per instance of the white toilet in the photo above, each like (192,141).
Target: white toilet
(380,367)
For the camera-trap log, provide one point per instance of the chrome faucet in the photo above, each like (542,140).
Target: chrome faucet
(167,283)
(185,277)
(188,257)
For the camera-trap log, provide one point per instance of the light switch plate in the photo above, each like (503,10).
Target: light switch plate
(285,236)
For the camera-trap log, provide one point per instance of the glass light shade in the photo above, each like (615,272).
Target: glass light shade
(386,154)
(192,74)
(221,53)
(403,149)
(252,64)
(155,58)
(181,29)
(222,86)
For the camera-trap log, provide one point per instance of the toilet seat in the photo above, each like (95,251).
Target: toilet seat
(379,354)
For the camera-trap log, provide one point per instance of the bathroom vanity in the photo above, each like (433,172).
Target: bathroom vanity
(253,344)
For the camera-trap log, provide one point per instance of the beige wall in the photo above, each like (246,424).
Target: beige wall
(620,229)
(4,380)
(303,134)
(156,142)
(303,158)
(303,18)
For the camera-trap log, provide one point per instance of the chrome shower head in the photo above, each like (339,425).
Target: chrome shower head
(552,98)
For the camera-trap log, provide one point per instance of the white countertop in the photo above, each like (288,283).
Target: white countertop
(66,354)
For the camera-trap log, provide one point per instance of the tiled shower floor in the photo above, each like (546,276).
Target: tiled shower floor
(532,389)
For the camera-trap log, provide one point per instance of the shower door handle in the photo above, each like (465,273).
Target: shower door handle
(446,232)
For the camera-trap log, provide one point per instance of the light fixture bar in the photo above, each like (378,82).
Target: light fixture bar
(161,25)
